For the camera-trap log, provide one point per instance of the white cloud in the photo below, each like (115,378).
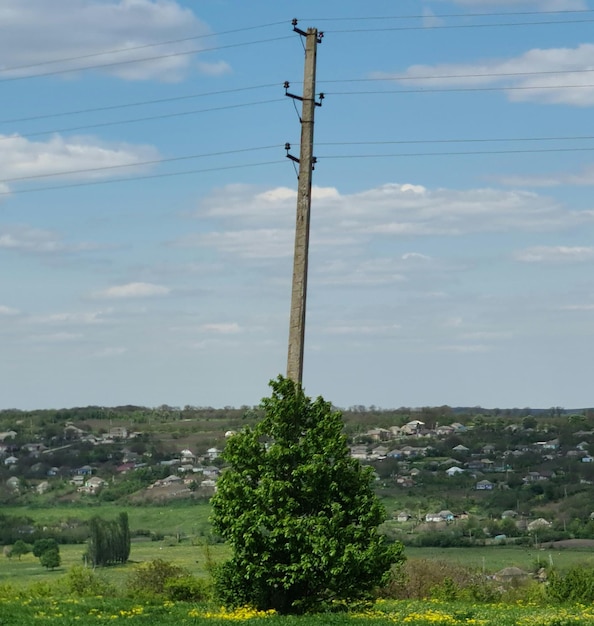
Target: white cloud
(362,329)
(34,32)
(60,337)
(37,241)
(79,318)
(242,219)
(110,352)
(466,348)
(8,311)
(221,328)
(555,254)
(133,290)
(531,76)
(22,158)
(584,177)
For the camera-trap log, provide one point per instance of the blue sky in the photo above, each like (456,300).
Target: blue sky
(147,208)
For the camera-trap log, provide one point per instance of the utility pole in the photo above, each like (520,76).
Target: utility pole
(306,162)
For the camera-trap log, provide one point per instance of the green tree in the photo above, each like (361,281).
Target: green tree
(43,545)
(50,559)
(20,547)
(299,513)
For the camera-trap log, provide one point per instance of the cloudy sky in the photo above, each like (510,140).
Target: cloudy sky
(147,207)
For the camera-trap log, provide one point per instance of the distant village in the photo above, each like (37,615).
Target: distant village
(411,458)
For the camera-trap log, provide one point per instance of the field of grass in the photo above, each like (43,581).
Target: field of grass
(27,570)
(27,610)
(189,519)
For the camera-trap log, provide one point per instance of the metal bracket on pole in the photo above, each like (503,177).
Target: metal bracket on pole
(286,85)
(295,21)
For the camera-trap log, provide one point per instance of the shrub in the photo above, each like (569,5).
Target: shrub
(151,578)
(83,581)
(576,585)
(186,589)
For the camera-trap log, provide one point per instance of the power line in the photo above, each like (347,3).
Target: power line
(132,48)
(452,76)
(143,119)
(112,107)
(445,15)
(396,77)
(468,140)
(455,90)
(327,157)
(145,177)
(460,153)
(144,60)
(138,164)
(458,26)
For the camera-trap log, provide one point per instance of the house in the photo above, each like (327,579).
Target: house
(587,459)
(187,456)
(34,448)
(459,428)
(124,468)
(42,487)
(380,452)
(538,524)
(13,483)
(484,485)
(489,449)
(403,516)
(359,452)
(395,454)
(379,434)
(446,516)
(118,432)
(93,484)
(11,460)
(8,434)
(460,448)
(452,471)
(442,516)
(443,431)
(412,428)
(213,453)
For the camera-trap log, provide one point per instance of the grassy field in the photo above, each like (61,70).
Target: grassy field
(190,522)
(24,611)
(185,519)
(192,557)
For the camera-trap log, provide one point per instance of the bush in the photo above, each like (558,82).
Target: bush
(576,585)
(424,578)
(186,589)
(83,581)
(152,578)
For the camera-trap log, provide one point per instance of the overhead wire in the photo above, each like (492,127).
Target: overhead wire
(79,57)
(141,119)
(163,160)
(143,60)
(142,177)
(456,26)
(137,164)
(111,107)
(445,15)
(396,77)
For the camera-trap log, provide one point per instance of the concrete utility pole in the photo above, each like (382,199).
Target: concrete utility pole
(306,163)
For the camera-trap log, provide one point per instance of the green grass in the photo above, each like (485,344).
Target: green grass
(27,610)
(190,519)
(28,570)
(494,558)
